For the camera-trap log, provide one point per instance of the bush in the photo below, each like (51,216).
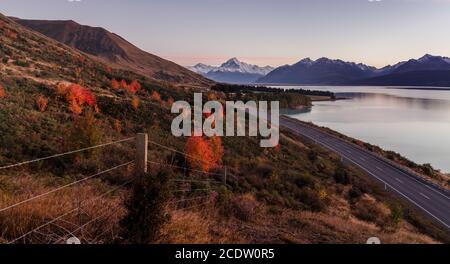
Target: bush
(396,213)
(244,207)
(146,213)
(312,200)
(341,175)
(313,156)
(369,211)
(355,193)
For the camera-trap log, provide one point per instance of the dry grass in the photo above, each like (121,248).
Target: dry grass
(22,219)
(194,227)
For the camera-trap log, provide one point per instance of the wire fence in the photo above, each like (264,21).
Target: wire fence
(188,193)
(60,218)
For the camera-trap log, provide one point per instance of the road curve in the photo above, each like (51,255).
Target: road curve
(431,200)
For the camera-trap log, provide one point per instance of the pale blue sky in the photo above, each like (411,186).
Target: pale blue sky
(272,32)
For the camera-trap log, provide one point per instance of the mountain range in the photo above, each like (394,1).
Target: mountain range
(429,70)
(232,71)
(114,50)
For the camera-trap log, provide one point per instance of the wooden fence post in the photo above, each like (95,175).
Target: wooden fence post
(141,153)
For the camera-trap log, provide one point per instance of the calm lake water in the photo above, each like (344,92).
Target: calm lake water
(414,123)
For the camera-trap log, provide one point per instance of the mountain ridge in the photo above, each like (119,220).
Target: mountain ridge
(113,49)
(326,71)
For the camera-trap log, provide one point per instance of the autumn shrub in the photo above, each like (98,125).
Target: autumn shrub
(156,96)
(146,209)
(199,153)
(115,84)
(2,92)
(134,87)
(135,103)
(77,97)
(124,84)
(42,103)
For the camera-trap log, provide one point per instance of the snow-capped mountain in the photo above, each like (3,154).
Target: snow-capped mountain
(428,70)
(232,71)
(201,68)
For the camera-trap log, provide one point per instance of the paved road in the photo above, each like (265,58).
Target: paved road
(427,198)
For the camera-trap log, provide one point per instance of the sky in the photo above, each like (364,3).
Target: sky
(274,32)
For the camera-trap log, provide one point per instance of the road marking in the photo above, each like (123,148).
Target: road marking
(349,151)
(400,181)
(361,158)
(380,169)
(399,192)
(428,198)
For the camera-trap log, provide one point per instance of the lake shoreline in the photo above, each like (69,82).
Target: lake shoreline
(440,178)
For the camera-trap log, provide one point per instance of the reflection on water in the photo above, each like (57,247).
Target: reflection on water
(415,123)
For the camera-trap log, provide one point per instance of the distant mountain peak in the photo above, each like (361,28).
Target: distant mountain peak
(232,71)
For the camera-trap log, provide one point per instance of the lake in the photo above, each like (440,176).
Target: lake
(412,122)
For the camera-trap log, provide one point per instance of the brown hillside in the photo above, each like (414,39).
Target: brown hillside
(115,50)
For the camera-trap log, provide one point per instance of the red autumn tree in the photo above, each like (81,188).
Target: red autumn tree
(199,154)
(134,87)
(135,103)
(124,84)
(77,97)
(2,92)
(42,103)
(155,96)
(115,84)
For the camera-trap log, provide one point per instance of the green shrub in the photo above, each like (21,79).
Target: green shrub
(146,214)
(341,175)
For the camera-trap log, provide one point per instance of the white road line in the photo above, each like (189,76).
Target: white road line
(380,169)
(387,184)
(361,158)
(400,181)
(428,198)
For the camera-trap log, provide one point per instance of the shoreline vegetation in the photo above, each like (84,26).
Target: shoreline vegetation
(425,170)
(293,99)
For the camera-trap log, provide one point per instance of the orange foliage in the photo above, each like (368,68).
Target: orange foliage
(2,92)
(115,84)
(124,84)
(77,97)
(155,96)
(134,87)
(135,103)
(203,154)
(199,154)
(42,103)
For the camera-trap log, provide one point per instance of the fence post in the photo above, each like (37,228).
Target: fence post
(141,153)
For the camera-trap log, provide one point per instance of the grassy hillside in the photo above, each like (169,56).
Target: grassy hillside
(54,99)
